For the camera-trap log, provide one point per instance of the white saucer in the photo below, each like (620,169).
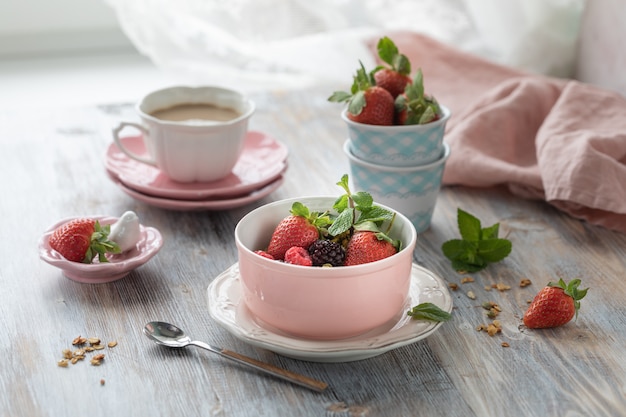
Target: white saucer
(201,205)
(119,265)
(226,307)
(262,161)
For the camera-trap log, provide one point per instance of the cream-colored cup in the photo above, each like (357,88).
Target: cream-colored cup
(191,133)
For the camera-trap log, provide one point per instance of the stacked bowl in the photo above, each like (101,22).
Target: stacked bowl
(401,166)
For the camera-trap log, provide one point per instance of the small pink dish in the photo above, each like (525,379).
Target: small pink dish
(119,265)
(262,161)
(314,302)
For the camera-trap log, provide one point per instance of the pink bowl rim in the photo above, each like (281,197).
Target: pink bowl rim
(328,272)
(398,128)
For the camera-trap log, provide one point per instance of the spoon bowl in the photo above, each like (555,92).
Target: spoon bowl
(169,335)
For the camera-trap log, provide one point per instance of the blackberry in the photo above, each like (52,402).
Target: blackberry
(327,252)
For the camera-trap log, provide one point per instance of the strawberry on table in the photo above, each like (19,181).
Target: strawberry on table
(81,240)
(555,305)
(367,246)
(367,102)
(396,77)
(297,229)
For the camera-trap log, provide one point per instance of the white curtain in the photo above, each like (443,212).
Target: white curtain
(268,44)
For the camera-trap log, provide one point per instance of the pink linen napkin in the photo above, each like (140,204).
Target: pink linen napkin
(554,139)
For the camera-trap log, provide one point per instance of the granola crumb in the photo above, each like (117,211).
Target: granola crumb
(471,295)
(503,287)
(465,280)
(505,344)
(487,287)
(79,340)
(102,382)
(453,286)
(525,282)
(63,363)
(112,344)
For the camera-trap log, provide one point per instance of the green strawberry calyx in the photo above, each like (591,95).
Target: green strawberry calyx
(320,220)
(571,289)
(420,108)
(388,53)
(100,244)
(362,81)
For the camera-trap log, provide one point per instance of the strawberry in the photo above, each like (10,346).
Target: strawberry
(297,229)
(414,107)
(368,246)
(367,103)
(555,305)
(297,255)
(396,78)
(80,240)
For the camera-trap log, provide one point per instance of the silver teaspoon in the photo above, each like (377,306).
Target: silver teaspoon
(171,336)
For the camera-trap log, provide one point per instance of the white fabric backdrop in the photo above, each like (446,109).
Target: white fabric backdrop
(262,44)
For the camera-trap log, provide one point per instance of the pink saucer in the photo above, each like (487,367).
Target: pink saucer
(200,205)
(119,265)
(262,161)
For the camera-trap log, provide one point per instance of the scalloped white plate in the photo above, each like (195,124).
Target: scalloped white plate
(227,308)
(119,265)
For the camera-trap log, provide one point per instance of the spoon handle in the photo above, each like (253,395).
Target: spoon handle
(293,377)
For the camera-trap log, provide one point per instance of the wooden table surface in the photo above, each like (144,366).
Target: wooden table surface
(52,168)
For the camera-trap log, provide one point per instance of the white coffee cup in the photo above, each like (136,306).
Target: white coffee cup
(188,133)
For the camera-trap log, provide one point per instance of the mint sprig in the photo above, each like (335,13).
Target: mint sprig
(359,211)
(478,246)
(429,312)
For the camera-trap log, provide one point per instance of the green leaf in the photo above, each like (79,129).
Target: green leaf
(494,250)
(339,97)
(478,247)
(357,103)
(375,214)
(342,223)
(429,312)
(387,50)
(341,203)
(362,199)
(299,209)
(469,226)
(490,232)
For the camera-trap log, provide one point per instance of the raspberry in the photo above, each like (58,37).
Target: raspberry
(298,256)
(326,252)
(264,254)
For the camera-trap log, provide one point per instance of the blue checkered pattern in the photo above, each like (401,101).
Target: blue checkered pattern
(398,147)
(413,194)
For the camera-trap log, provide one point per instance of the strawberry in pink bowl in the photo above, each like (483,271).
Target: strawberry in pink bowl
(328,294)
(99,249)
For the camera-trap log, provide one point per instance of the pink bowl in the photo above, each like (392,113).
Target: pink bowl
(314,302)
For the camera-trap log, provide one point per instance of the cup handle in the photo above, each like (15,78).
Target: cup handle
(118,142)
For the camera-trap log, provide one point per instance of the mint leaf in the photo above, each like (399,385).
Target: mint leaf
(490,232)
(478,247)
(469,226)
(430,312)
(494,250)
(342,223)
(363,200)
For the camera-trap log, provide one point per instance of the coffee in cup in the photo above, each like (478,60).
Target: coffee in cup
(191,133)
